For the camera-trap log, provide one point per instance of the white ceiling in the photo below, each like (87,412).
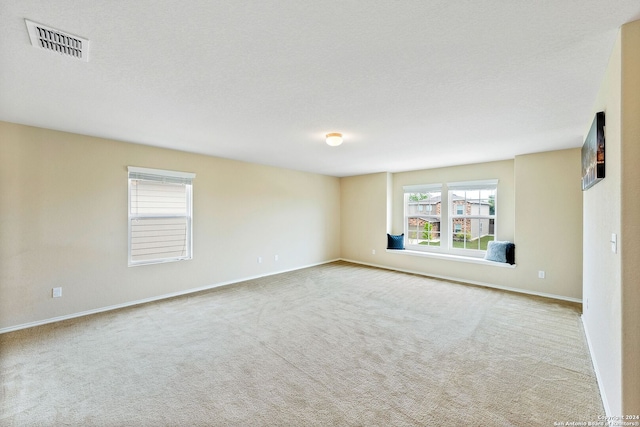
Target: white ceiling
(412,84)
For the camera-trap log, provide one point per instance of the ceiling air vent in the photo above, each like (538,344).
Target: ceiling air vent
(58,41)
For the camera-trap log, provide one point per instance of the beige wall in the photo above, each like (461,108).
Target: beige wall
(546,239)
(611,280)
(63,222)
(601,267)
(364,212)
(630,240)
(549,221)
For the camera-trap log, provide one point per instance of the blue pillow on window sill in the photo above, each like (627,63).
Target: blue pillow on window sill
(395,241)
(500,251)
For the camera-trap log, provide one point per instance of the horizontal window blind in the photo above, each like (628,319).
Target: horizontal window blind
(160,215)
(158,198)
(158,238)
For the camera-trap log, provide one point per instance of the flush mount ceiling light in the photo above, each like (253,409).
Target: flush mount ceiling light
(334,139)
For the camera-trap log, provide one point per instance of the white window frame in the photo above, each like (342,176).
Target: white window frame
(424,188)
(489,184)
(448,213)
(161,176)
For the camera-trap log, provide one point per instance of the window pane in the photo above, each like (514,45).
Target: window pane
(157,198)
(159,216)
(472,218)
(423,218)
(423,231)
(474,202)
(158,238)
(474,233)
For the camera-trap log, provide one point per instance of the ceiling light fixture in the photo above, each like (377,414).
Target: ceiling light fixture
(334,139)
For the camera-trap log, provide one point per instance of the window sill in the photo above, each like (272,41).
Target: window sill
(450,257)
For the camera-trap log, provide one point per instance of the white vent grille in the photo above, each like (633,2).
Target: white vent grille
(47,38)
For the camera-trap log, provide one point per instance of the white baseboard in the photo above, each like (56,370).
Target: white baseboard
(151,299)
(471,282)
(594,361)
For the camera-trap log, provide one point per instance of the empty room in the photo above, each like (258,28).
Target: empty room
(331,213)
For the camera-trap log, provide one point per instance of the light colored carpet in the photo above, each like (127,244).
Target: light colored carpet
(333,345)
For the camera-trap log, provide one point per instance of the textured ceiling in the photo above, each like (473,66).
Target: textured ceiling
(413,84)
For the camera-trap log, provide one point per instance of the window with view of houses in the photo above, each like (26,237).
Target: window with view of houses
(473,220)
(468,210)
(423,208)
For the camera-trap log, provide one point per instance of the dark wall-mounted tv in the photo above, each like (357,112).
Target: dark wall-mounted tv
(593,153)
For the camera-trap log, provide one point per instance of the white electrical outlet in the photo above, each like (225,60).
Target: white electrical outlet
(56,292)
(275,258)
(373,251)
(541,274)
(259,260)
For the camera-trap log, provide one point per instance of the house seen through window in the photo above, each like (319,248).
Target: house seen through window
(423,206)
(474,221)
(450,218)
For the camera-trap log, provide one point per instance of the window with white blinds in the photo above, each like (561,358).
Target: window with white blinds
(160,215)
